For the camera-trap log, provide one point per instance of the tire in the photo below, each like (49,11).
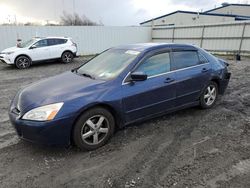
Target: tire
(67,57)
(93,129)
(209,95)
(23,62)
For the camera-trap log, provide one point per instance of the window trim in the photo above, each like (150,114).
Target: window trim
(124,82)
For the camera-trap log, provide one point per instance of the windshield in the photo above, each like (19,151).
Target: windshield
(108,64)
(26,43)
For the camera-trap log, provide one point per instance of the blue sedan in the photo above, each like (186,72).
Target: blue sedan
(120,86)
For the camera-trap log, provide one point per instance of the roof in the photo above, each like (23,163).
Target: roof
(153,46)
(226,6)
(203,13)
(50,37)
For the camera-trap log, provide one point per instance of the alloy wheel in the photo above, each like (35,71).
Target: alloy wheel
(67,57)
(23,63)
(95,130)
(210,95)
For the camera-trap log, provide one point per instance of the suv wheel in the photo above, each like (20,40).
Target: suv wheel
(67,57)
(93,129)
(209,95)
(23,62)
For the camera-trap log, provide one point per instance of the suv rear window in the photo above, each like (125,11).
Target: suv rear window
(183,59)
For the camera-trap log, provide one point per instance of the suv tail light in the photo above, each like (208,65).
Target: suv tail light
(74,44)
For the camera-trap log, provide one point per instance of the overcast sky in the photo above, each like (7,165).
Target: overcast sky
(109,12)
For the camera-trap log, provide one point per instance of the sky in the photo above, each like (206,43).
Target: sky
(109,12)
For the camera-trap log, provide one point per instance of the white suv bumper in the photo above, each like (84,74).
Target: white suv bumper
(6,59)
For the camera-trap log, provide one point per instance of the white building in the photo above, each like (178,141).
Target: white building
(225,13)
(232,9)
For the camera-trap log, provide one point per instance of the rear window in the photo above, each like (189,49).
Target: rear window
(183,59)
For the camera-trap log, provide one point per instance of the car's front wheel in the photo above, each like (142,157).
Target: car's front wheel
(67,57)
(93,129)
(209,95)
(22,62)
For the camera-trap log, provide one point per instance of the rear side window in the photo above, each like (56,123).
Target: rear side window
(183,59)
(56,41)
(202,58)
(155,65)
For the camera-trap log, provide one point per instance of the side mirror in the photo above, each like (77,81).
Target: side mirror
(33,46)
(138,76)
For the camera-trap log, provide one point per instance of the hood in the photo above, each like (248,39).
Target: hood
(60,88)
(11,49)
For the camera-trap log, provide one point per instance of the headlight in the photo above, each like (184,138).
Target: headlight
(8,53)
(43,113)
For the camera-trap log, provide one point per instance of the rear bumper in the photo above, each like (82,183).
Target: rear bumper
(52,133)
(224,82)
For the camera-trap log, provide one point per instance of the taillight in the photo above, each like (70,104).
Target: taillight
(74,44)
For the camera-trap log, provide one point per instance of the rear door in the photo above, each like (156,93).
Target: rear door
(192,75)
(57,47)
(154,95)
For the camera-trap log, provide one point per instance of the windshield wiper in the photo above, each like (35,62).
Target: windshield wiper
(88,75)
(83,74)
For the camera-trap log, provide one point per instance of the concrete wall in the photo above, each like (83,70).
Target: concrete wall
(90,39)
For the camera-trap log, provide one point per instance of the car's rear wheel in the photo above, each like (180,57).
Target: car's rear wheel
(93,129)
(209,95)
(67,57)
(22,62)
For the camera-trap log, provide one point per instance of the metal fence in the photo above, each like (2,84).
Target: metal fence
(219,38)
(90,39)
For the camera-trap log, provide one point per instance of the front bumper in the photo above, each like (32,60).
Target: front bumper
(6,59)
(224,82)
(55,132)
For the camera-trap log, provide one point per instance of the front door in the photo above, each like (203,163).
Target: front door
(154,95)
(40,50)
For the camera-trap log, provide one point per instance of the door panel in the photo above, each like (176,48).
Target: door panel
(148,97)
(41,51)
(154,95)
(191,76)
(190,83)
(57,46)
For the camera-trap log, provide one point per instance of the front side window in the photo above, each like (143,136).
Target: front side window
(155,65)
(184,59)
(41,43)
(108,64)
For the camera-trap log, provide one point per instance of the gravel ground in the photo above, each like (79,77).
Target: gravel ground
(189,148)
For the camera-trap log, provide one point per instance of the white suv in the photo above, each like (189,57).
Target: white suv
(40,49)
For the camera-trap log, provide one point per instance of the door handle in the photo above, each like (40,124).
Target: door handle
(204,70)
(169,80)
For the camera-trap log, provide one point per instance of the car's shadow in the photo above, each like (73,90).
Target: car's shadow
(120,138)
(76,62)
